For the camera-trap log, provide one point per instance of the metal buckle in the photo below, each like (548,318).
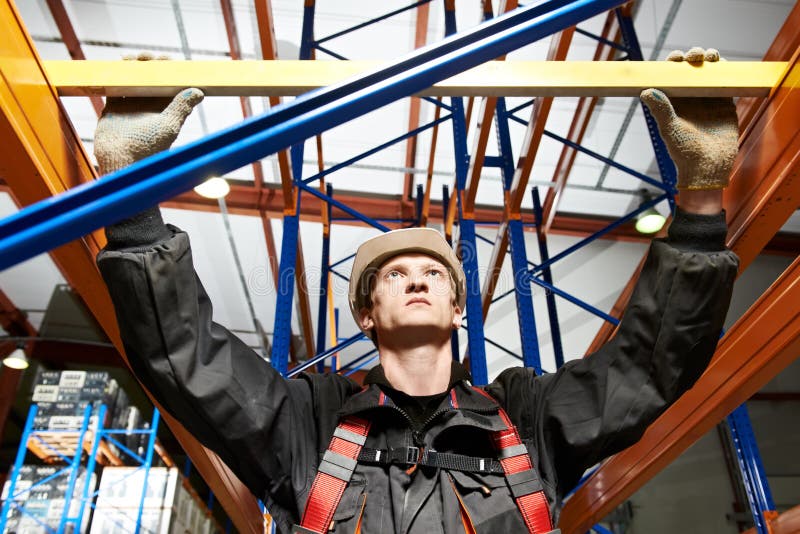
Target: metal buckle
(412,455)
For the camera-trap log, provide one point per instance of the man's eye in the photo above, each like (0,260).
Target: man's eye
(435,272)
(392,274)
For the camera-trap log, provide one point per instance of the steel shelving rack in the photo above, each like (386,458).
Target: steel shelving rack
(92,439)
(46,225)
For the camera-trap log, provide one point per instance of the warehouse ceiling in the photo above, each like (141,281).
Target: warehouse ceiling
(109,29)
(196,30)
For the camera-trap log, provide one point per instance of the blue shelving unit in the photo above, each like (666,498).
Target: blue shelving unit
(44,441)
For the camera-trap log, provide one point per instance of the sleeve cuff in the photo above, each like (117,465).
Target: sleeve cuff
(695,232)
(145,228)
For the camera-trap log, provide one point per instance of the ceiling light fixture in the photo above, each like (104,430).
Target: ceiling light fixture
(213,188)
(17,359)
(650,220)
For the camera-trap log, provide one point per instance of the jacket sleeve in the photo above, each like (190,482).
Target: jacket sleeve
(261,425)
(596,406)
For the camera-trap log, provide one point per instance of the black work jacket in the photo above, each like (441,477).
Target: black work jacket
(272,432)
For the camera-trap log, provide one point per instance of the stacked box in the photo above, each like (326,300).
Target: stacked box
(43,504)
(114,521)
(117,503)
(63,396)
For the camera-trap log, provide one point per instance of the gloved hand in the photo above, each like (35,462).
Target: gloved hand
(132,128)
(701,134)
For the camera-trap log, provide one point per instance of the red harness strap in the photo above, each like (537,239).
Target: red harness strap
(340,461)
(334,474)
(522,478)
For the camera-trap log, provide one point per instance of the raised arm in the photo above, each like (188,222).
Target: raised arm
(226,395)
(598,405)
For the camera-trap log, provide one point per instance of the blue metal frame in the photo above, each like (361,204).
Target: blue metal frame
(467,246)
(322,311)
(531,356)
(665,165)
(526,317)
(547,275)
(370,22)
(582,243)
(14,475)
(321,357)
(751,467)
(282,331)
(384,146)
(73,465)
(607,161)
(454,345)
(551,289)
(53,222)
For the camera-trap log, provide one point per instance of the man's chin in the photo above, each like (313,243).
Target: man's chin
(416,331)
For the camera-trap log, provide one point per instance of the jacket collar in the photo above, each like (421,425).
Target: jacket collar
(458,373)
(462,396)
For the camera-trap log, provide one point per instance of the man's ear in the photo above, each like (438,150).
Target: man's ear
(365,319)
(456,317)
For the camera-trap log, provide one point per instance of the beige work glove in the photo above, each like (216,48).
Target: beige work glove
(132,128)
(701,134)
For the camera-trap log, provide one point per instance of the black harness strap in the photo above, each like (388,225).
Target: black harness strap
(430,458)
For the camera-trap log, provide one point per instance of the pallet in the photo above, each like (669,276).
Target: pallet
(50,446)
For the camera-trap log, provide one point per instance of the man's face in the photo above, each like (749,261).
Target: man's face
(412,294)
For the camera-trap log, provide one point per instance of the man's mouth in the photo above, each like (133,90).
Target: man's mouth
(418,301)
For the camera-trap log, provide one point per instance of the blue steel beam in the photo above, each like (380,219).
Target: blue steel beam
(335,357)
(607,42)
(322,310)
(665,164)
(53,222)
(387,144)
(510,353)
(336,264)
(529,337)
(330,53)
(359,360)
(751,467)
(374,356)
(476,345)
(524,296)
(13,475)
(342,206)
(371,21)
(583,242)
(418,200)
(74,465)
(575,300)
(148,462)
(445,205)
(282,330)
(552,311)
(321,357)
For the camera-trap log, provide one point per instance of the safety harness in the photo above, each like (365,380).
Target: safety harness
(347,449)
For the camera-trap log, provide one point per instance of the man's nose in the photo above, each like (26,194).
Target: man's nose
(416,283)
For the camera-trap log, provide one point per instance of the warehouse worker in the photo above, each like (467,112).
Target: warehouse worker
(418,449)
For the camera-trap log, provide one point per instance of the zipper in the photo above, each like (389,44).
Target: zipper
(418,434)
